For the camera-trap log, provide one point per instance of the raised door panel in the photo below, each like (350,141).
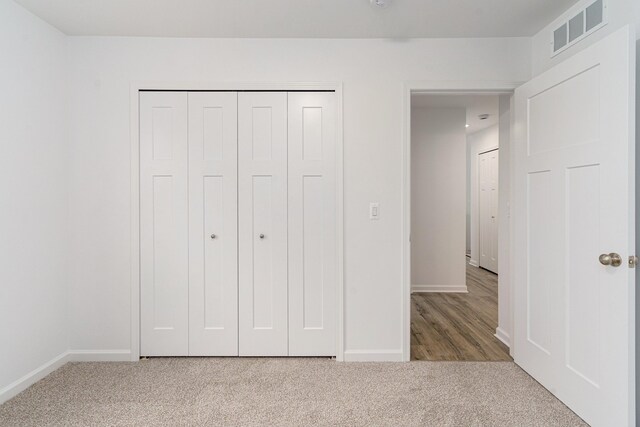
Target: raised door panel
(493,188)
(312,224)
(262,201)
(483,203)
(213,230)
(163,224)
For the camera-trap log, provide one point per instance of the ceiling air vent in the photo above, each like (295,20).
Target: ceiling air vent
(579,26)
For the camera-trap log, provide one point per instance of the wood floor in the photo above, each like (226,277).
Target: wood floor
(458,327)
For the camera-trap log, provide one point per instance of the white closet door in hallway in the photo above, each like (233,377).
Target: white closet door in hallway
(488,201)
(163,224)
(312,224)
(213,228)
(262,201)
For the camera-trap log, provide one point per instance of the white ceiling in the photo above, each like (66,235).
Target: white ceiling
(299,18)
(474,104)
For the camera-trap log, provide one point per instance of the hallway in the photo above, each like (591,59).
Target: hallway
(458,327)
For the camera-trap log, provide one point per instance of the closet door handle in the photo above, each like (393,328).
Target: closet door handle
(213,236)
(262,236)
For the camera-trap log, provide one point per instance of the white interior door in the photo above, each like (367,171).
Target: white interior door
(574,200)
(262,200)
(488,201)
(213,224)
(312,224)
(164,269)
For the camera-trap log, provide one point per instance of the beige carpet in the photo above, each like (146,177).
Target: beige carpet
(286,392)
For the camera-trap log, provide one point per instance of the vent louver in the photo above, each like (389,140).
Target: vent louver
(578,26)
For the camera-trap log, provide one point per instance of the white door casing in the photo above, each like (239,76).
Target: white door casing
(574,200)
(312,224)
(163,224)
(488,202)
(262,222)
(213,228)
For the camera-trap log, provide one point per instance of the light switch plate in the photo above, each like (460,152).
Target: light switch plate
(374,210)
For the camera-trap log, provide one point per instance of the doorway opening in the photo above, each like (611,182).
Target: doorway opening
(457,144)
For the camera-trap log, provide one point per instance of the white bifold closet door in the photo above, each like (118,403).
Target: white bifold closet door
(488,201)
(164,263)
(213,224)
(312,224)
(238,224)
(262,220)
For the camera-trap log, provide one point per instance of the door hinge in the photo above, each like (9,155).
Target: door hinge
(633,261)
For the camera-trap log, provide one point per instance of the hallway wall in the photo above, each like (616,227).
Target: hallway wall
(438,199)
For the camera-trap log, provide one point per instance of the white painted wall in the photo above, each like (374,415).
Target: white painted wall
(33,300)
(33,188)
(619,12)
(36,164)
(438,199)
(478,142)
(373,72)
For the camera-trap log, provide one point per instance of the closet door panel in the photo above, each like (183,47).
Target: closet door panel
(262,199)
(263,252)
(163,224)
(494,210)
(488,202)
(484,208)
(312,224)
(213,231)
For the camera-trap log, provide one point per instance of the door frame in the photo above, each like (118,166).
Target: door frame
(135,88)
(466,87)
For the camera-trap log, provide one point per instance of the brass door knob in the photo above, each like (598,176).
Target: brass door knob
(612,259)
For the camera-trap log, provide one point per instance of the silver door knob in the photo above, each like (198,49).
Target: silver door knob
(262,236)
(612,259)
(213,236)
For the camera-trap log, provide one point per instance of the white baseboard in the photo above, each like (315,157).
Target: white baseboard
(474,263)
(42,371)
(439,288)
(32,377)
(503,336)
(99,355)
(373,356)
